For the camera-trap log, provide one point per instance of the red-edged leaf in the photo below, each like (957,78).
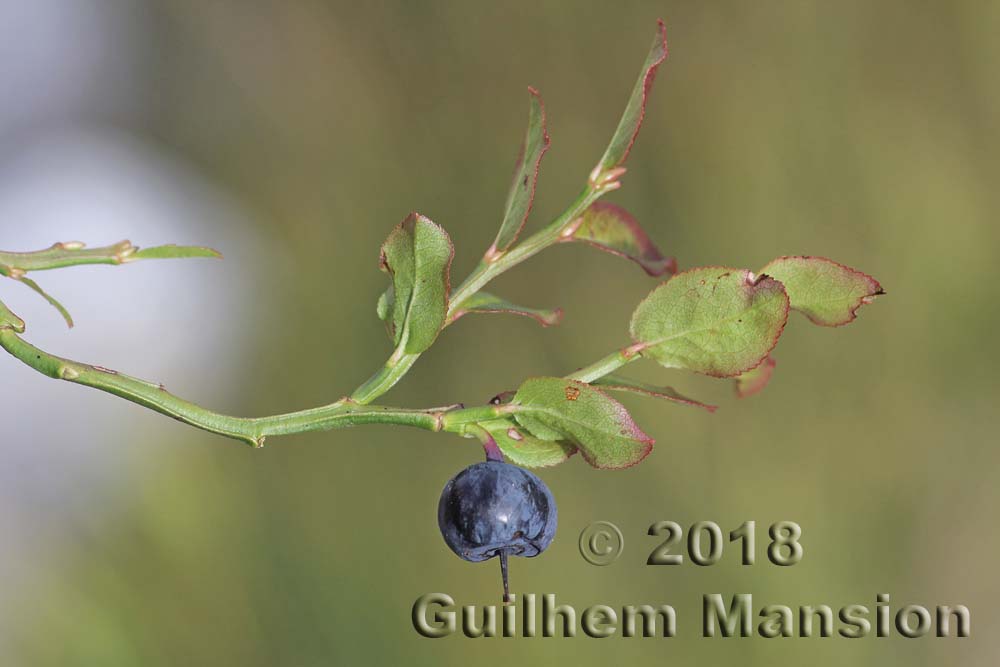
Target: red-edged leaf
(751,382)
(826,292)
(552,408)
(712,320)
(522,187)
(628,127)
(484,302)
(619,383)
(613,229)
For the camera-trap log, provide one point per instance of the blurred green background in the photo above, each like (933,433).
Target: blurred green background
(866,132)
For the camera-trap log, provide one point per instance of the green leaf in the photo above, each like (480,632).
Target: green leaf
(417,256)
(826,292)
(598,425)
(173,252)
(631,121)
(612,229)
(484,302)
(522,187)
(754,380)
(45,295)
(712,320)
(383,307)
(520,447)
(619,383)
(8,320)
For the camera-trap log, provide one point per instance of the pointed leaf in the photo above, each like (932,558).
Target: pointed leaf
(754,380)
(826,292)
(612,229)
(523,449)
(173,252)
(522,187)
(631,121)
(45,295)
(8,320)
(712,320)
(484,302)
(417,255)
(619,383)
(598,425)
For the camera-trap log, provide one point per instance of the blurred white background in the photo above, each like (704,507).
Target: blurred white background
(70,170)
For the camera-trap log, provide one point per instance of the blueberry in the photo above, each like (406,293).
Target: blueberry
(497,509)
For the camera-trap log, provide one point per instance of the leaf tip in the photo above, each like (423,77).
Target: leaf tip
(631,121)
(661,29)
(754,380)
(546,139)
(828,293)
(647,449)
(521,195)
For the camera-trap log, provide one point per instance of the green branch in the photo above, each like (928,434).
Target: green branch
(492,265)
(16,265)
(252,431)
(416,307)
(717,321)
(607,365)
(349,411)
(74,253)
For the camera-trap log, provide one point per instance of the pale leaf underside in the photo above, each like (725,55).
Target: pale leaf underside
(484,302)
(552,408)
(611,228)
(754,380)
(523,449)
(619,383)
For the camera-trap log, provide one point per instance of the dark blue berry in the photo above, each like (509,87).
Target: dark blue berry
(497,509)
